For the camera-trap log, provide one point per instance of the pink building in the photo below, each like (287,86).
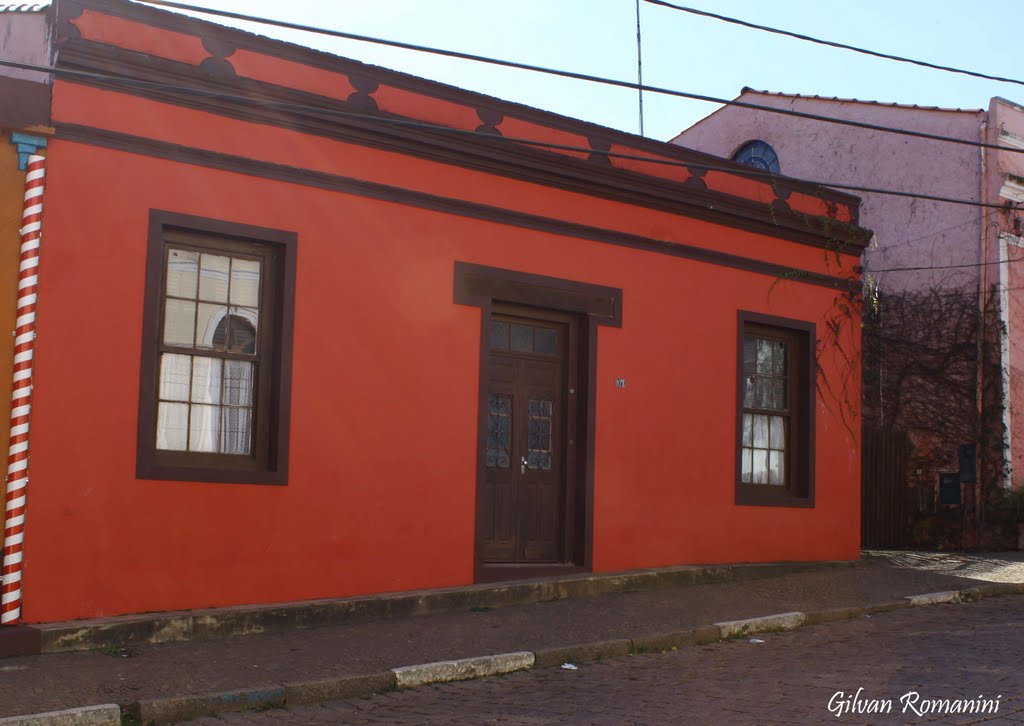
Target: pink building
(950,357)
(24,38)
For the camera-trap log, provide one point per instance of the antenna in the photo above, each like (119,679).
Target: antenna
(639,68)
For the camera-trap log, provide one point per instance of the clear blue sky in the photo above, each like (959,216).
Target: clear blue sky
(681,51)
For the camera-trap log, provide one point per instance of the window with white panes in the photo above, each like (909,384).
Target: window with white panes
(216,358)
(766,410)
(775,416)
(209,354)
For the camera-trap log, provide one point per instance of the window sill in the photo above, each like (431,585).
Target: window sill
(217,475)
(770,496)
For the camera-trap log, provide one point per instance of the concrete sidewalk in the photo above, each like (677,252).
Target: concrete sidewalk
(618,622)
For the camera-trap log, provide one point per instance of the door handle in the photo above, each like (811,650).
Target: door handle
(523,466)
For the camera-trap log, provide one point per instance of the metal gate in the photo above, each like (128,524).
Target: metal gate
(883,475)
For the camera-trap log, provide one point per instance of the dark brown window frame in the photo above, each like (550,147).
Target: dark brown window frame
(490,289)
(799,488)
(268,463)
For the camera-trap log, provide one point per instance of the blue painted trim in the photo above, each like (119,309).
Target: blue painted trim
(26,144)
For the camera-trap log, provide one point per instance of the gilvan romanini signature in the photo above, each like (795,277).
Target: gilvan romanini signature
(842,704)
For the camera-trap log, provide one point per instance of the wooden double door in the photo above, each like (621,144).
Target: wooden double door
(524,512)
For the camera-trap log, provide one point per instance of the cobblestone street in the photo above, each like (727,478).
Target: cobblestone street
(942,652)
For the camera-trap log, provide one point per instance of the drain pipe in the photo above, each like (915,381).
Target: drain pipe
(21,394)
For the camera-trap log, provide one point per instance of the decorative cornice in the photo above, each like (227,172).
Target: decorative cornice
(321,180)
(1008,139)
(217,72)
(236,38)
(1012,191)
(480,153)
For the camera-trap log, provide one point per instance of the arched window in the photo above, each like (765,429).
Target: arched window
(243,335)
(759,155)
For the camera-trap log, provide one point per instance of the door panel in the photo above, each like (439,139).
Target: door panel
(523,491)
(500,527)
(542,480)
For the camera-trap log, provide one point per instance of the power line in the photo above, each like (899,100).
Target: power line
(833,44)
(947,267)
(941,231)
(576,76)
(288,106)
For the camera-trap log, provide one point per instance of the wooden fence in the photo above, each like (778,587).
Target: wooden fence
(884,455)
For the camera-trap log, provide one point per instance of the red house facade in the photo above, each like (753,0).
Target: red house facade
(310,328)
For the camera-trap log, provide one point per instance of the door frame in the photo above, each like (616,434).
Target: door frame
(593,306)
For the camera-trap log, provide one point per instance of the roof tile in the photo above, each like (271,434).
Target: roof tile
(748,89)
(23,7)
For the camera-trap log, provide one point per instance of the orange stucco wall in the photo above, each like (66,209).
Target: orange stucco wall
(385,384)
(108,110)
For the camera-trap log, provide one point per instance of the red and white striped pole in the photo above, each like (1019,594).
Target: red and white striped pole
(21,398)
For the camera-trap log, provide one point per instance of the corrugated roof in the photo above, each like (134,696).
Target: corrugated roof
(23,7)
(747,89)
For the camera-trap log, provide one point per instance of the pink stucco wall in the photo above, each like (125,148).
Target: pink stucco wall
(24,38)
(909,232)
(1005,182)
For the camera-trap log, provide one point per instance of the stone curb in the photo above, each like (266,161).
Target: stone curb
(993,589)
(186,708)
(173,710)
(465,669)
(833,614)
(935,598)
(763,624)
(126,630)
(887,606)
(554,657)
(334,689)
(676,639)
(105,715)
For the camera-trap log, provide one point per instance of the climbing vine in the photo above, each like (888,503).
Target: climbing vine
(840,390)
